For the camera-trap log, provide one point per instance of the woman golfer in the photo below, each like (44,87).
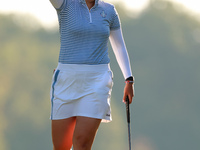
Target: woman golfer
(82,81)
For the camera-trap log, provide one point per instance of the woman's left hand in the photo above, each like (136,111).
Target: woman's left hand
(128,91)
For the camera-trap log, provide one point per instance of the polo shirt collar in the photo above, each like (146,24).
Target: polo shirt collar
(96,2)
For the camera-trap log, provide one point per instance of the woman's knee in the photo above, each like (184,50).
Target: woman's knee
(84,133)
(82,142)
(62,145)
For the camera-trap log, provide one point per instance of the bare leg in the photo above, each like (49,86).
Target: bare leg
(62,133)
(84,133)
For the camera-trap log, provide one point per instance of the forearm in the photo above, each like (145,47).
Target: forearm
(57,3)
(120,51)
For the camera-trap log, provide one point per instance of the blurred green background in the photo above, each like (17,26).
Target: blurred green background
(164,47)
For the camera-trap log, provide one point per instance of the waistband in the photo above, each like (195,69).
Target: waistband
(83,67)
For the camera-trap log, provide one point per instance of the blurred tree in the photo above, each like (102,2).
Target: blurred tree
(164,46)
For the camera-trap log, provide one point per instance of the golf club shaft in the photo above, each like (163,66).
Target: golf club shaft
(128,121)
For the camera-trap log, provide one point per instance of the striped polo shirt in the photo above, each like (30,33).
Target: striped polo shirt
(84,33)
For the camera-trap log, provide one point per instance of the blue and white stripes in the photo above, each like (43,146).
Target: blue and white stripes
(85,33)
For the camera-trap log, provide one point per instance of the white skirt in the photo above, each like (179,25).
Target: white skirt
(81,90)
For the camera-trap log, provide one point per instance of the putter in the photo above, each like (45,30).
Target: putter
(128,121)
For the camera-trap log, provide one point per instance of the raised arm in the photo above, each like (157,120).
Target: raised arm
(57,3)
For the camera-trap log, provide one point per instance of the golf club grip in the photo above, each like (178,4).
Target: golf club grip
(127,109)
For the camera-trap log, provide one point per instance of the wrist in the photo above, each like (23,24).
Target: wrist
(130,80)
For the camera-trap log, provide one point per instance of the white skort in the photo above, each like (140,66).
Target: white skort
(81,90)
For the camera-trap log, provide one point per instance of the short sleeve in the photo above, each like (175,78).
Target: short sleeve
(62,6)
(115,21)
